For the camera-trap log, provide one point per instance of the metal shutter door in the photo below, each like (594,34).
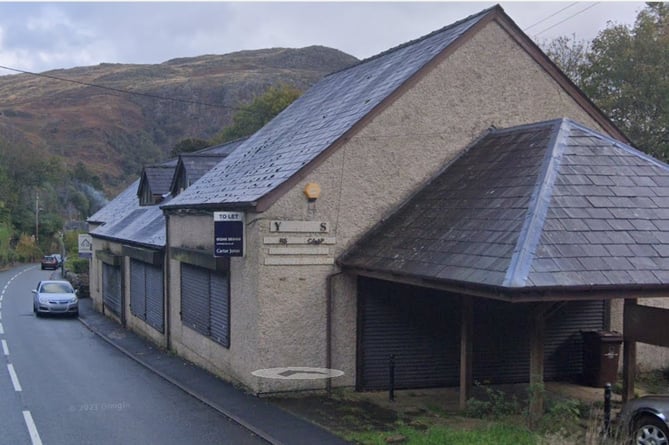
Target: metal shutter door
(137,289)
(155,308)
(563,354)
(195,298)
(111,288)
(419,326)
(506,358)
(501,349)
(220,308)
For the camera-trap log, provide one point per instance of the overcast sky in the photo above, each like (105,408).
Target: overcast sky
(40,36)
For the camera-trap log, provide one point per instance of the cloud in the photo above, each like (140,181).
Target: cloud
(43,36)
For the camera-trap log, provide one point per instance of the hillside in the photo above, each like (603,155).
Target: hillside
(114,133)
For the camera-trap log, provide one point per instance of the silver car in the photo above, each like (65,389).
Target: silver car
(55,297)
(647,420)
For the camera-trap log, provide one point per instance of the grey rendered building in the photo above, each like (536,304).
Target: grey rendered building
(337,273)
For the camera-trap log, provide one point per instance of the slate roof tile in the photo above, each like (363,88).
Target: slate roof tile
(314,121)
(584,217)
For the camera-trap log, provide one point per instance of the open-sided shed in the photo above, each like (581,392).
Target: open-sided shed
(538,215)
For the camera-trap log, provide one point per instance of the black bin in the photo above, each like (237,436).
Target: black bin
(601,350)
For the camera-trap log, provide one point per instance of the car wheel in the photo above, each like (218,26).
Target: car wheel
(649,430)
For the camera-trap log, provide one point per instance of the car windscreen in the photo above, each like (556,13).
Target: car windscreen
(56,288)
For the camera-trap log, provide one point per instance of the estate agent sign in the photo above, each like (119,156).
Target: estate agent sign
(229,234)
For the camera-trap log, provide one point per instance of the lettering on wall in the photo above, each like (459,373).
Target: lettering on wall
(299,243)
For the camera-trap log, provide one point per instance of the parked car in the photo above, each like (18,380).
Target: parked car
(55,297)
(49,262)
(58,257)
(646,419)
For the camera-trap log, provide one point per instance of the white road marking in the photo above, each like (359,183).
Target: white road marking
(32,429)
(14,377)
(2,330)
(5,349)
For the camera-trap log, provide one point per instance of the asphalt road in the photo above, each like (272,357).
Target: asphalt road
(61,384)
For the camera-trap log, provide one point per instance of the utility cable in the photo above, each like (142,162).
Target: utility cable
(570,17)
(550,16)
(119,90)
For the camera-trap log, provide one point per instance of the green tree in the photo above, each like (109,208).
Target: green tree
(569,54)
(254,116)
(188,146)
(627,75)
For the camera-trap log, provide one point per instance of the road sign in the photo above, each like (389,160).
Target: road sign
(85,246)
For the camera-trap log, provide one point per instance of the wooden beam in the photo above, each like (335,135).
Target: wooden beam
(537,336)
(466,348)
(629,353)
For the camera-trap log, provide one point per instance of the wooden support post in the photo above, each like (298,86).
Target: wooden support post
(537,335)
(466,348)
(629,356)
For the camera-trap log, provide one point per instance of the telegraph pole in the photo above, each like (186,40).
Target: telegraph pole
(36,217)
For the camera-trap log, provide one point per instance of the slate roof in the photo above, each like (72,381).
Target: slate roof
(139,225)
(158,178)
(315,121)
(124,220)
(117,207)
(541,206)
(194,165)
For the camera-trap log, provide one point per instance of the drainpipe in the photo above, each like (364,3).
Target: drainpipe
(168,282)
(328,328)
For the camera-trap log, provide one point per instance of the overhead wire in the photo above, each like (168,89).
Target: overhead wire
(570,17)
(193,102)
(550,16)
(122,91)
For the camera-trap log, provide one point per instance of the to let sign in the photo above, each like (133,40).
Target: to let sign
(228,234)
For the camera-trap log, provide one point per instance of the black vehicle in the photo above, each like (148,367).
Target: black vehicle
(49,262)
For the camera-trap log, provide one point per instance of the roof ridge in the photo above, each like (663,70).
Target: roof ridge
(537,208)
(403,45)
(619,144)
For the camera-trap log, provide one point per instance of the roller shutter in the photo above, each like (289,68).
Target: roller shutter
(195,298)
(147,293)
(111,289)
(205,302)
(220,310)
(415,325)
(155,298)
(506,358)
(421,327)
(137,289)
(563,354)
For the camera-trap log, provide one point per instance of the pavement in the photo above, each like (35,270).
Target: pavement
(260,416)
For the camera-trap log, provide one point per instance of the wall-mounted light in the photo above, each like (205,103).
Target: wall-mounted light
(312,190)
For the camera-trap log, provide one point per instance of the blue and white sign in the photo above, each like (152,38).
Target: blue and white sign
(228,234)
(85,245)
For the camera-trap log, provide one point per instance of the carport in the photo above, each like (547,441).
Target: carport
(538,216)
